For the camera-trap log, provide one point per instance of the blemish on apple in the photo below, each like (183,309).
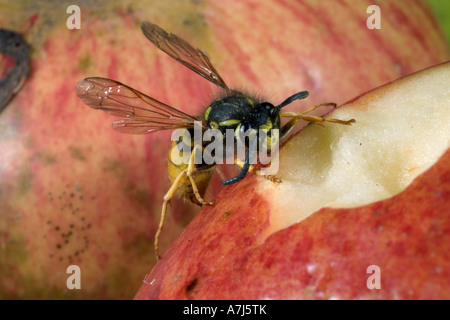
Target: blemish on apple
(24,180)
(77,153)
(192,285)
(85,63)
(226,214)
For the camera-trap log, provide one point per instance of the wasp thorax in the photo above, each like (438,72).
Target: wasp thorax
(228,112)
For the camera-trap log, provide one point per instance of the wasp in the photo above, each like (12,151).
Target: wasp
(234,111)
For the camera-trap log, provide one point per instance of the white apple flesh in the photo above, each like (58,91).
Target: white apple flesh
(401,129)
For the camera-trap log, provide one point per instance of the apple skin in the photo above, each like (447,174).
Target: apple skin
(326,256)
(233,250)
(73,191)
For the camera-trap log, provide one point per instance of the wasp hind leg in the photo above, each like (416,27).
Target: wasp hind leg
(189,172)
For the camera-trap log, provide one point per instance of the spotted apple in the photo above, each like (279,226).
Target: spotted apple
(74,192)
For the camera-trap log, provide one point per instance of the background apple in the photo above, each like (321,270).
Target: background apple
(73,191)
(352,197)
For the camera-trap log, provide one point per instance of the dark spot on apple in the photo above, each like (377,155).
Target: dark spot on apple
(58,246)
(140,196)
(114,166)
(226,214)
(85,62)
(253,202)
(47,159)
(191,286)
(24,180)
(77,153)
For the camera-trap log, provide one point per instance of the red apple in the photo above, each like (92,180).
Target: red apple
(372,195)
(73,191)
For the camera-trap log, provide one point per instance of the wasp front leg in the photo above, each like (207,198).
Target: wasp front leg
(179,180)
(258,172)
(312,119)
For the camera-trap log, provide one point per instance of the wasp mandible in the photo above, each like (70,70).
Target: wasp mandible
(233,111)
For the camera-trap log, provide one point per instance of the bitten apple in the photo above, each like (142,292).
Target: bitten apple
(371,196)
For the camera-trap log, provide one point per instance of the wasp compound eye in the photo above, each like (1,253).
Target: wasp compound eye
(268,106)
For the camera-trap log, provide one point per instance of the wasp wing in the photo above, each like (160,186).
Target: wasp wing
(183,52)
(142,113)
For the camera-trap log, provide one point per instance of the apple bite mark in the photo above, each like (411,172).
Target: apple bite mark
(402,129)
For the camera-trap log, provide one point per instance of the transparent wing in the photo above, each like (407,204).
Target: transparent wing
(142,113)
(183,52)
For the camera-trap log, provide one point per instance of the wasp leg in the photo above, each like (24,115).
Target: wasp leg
(220,172)
(167,197)
(258,172)
(332,104)
(190,172)
(312,119)
(288,126)
(173,190)
(246,166)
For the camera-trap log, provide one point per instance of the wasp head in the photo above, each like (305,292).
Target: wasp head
(264,121)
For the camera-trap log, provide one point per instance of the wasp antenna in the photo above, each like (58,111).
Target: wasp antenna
(298,96)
